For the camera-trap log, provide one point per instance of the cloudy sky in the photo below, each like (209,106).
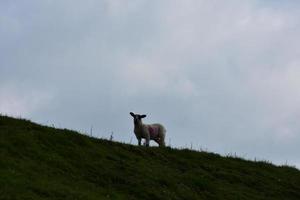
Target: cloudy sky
(222,75)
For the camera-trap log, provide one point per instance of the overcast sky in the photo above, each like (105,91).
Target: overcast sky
(222,75)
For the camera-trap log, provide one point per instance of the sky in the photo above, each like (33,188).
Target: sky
(221,76)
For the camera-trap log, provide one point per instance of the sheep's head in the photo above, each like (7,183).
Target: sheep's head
(137,119)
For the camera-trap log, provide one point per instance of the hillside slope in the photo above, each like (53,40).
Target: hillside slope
(38,162)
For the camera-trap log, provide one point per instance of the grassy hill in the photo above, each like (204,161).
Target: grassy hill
(38,162)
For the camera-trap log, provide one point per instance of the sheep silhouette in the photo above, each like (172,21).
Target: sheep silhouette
(156,132)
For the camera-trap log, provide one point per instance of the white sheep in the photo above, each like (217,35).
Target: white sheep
(149,132)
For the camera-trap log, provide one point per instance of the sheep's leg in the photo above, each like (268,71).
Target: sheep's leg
(157,141)
(147,143)
(139,141)
(162,141)
(147,140)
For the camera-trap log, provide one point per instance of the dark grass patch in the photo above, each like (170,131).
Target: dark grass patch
(39,162)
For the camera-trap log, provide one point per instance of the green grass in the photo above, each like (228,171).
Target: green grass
(38,162)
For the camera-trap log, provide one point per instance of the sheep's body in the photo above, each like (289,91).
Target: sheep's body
(148,132)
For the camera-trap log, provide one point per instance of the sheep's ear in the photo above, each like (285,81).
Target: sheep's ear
(132,114)
(143,116)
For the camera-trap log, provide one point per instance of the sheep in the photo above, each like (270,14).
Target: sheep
(155,132)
